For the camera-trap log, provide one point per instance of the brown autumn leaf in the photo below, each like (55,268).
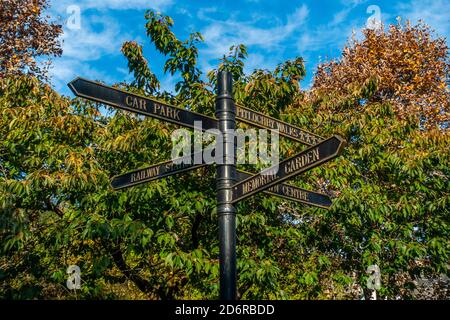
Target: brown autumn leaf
(409,67)
(25,34)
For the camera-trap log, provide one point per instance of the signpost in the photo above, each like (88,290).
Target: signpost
(226,177)
(232,186)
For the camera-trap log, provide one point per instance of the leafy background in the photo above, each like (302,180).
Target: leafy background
(387,95)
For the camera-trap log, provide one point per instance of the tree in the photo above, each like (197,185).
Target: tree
(26,34)
(389,97)
(405,67)
(159,240)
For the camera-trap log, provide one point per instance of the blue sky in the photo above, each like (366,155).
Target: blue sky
(273,31)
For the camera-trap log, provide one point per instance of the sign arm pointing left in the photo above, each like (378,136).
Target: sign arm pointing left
(157,171)
(146,106)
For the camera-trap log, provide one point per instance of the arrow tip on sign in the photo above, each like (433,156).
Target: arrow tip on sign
(327,202)
(72,85)
(114,183)
(342,143)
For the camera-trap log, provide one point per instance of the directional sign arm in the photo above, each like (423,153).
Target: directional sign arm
(293,193)
(289,168)
(168,168)
(157,171)
(146,106)
(288,130)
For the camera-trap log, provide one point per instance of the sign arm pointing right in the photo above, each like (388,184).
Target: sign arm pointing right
(289,168)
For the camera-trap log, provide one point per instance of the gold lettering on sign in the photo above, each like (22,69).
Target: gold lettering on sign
(136,103)
(129,101)
(294,193)
(257,182)
(284,128)
(302,161)
(145,174)
(172,167)
(166,111)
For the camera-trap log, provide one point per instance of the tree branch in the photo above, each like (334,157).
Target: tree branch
(194,231)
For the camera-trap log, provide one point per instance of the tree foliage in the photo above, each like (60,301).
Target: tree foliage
(406,67)
(25,34)
(159,240)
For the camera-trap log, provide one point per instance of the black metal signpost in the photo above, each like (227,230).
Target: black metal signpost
(232,185)
(226,176)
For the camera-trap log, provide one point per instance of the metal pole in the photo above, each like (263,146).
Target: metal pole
(226,177)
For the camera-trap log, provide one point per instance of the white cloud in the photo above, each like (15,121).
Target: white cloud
(340,16)
(65,70)
(432,12)
(168,83)
(183,11)
(61,5)
(324,38)
(220,35)
(353,3)
(99,36)
(327,38)
(91,43)
(203,13)
(260,61)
